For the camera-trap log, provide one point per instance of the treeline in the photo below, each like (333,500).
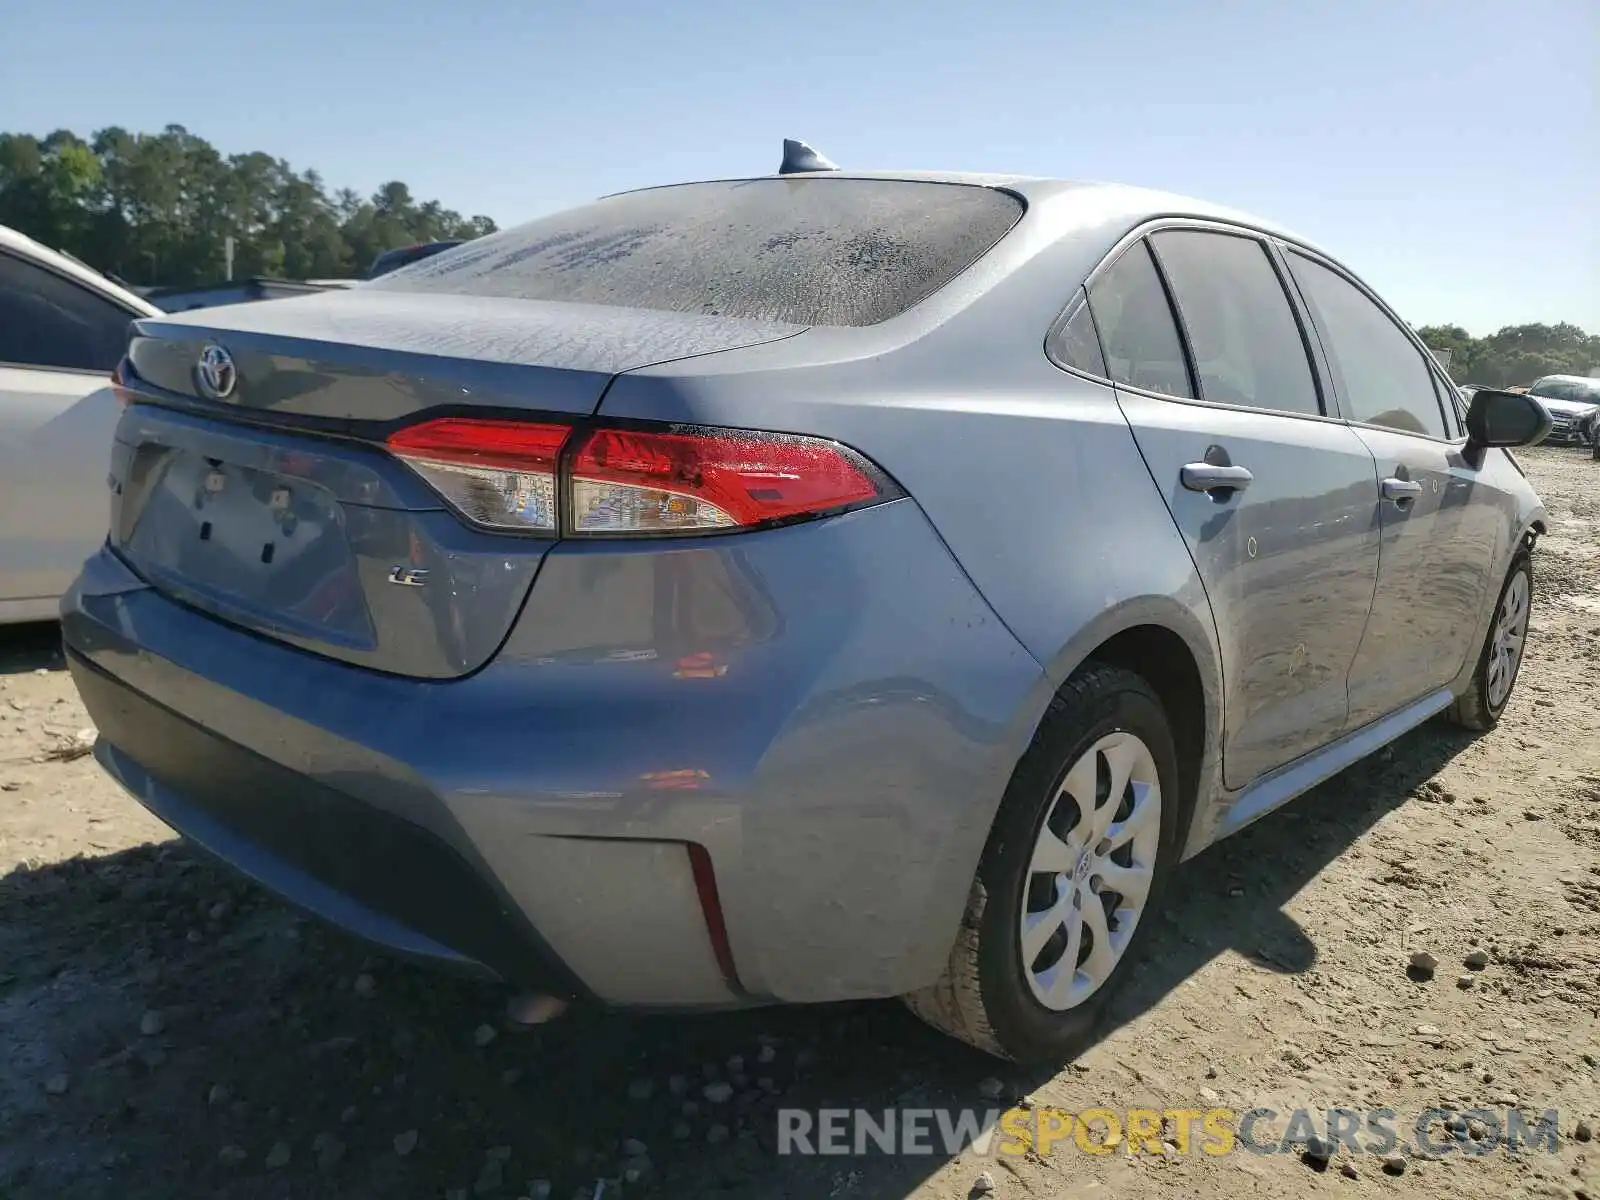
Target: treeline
(155,209)
(1518,354)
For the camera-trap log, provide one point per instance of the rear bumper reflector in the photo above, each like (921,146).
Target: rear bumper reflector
(705,883)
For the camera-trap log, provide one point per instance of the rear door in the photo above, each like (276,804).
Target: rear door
(1440,533)
(59,341)
(1273,497)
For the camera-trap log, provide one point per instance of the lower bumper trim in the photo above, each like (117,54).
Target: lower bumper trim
(375,875)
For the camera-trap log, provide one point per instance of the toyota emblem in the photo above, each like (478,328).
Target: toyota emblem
(216,373)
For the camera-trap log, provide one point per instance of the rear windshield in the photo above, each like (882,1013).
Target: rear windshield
(1567,389)
(814,251)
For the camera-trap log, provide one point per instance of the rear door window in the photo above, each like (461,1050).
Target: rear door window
(814,251)
(47,320)
(1245,340)
(1137,331)
(1383,377)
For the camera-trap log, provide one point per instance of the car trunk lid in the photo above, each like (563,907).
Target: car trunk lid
(365,355)
(268,501)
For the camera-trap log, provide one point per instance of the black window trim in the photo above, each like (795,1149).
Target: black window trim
(1332,403)
(13,254)
(1323,380)
(1429,363)
(1185,347)
(1456,412)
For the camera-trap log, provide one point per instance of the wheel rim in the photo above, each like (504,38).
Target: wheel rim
(1089,876)
(1510,633)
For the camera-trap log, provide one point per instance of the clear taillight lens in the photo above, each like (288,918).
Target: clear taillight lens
(496,473)
(520,476)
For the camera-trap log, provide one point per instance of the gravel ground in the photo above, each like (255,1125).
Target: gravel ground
(167,1031)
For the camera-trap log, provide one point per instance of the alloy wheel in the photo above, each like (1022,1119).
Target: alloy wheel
(1090,874)
(1510,634)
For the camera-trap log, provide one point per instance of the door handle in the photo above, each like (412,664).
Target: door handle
(1208,477)
(1401,491)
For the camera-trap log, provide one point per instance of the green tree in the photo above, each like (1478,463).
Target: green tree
(157,208)
(1517,354)
(48,187)
(392,218)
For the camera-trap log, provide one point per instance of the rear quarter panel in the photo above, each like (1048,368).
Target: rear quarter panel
(1029,474)
(825,708)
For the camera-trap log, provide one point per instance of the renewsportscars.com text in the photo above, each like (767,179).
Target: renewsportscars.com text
(1211,1131)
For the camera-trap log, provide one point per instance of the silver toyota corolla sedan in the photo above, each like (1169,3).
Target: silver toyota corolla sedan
(795,588)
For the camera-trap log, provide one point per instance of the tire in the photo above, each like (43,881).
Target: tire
(987,994)
(1475,708)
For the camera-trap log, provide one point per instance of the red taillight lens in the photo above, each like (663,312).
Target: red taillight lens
(497,473)
(512,475)
(624,481)
(119,382)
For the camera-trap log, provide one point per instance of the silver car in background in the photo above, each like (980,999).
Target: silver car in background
(1573,402)
(62,329)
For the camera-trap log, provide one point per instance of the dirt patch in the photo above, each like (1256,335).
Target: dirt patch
(166,1030)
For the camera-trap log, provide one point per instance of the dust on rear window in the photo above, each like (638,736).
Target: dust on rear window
(814,251)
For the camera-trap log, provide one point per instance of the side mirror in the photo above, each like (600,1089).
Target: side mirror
(1503,419)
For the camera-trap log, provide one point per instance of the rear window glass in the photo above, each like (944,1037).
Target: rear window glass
(815,251)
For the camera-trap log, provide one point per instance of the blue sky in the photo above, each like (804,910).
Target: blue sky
(1448,152)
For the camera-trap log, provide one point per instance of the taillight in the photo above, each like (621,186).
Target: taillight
(496,473)
(119,381)
(516,475)
(624,481)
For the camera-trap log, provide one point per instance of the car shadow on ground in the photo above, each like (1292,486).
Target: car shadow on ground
(33,647)
(285,1060)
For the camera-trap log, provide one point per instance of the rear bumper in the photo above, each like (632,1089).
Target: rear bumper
(380,877)
(829,711)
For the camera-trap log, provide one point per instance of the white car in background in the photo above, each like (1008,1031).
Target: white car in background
(63,328)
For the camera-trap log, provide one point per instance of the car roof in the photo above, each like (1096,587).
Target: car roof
(1103,199)
(23,245)
(1584,379)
